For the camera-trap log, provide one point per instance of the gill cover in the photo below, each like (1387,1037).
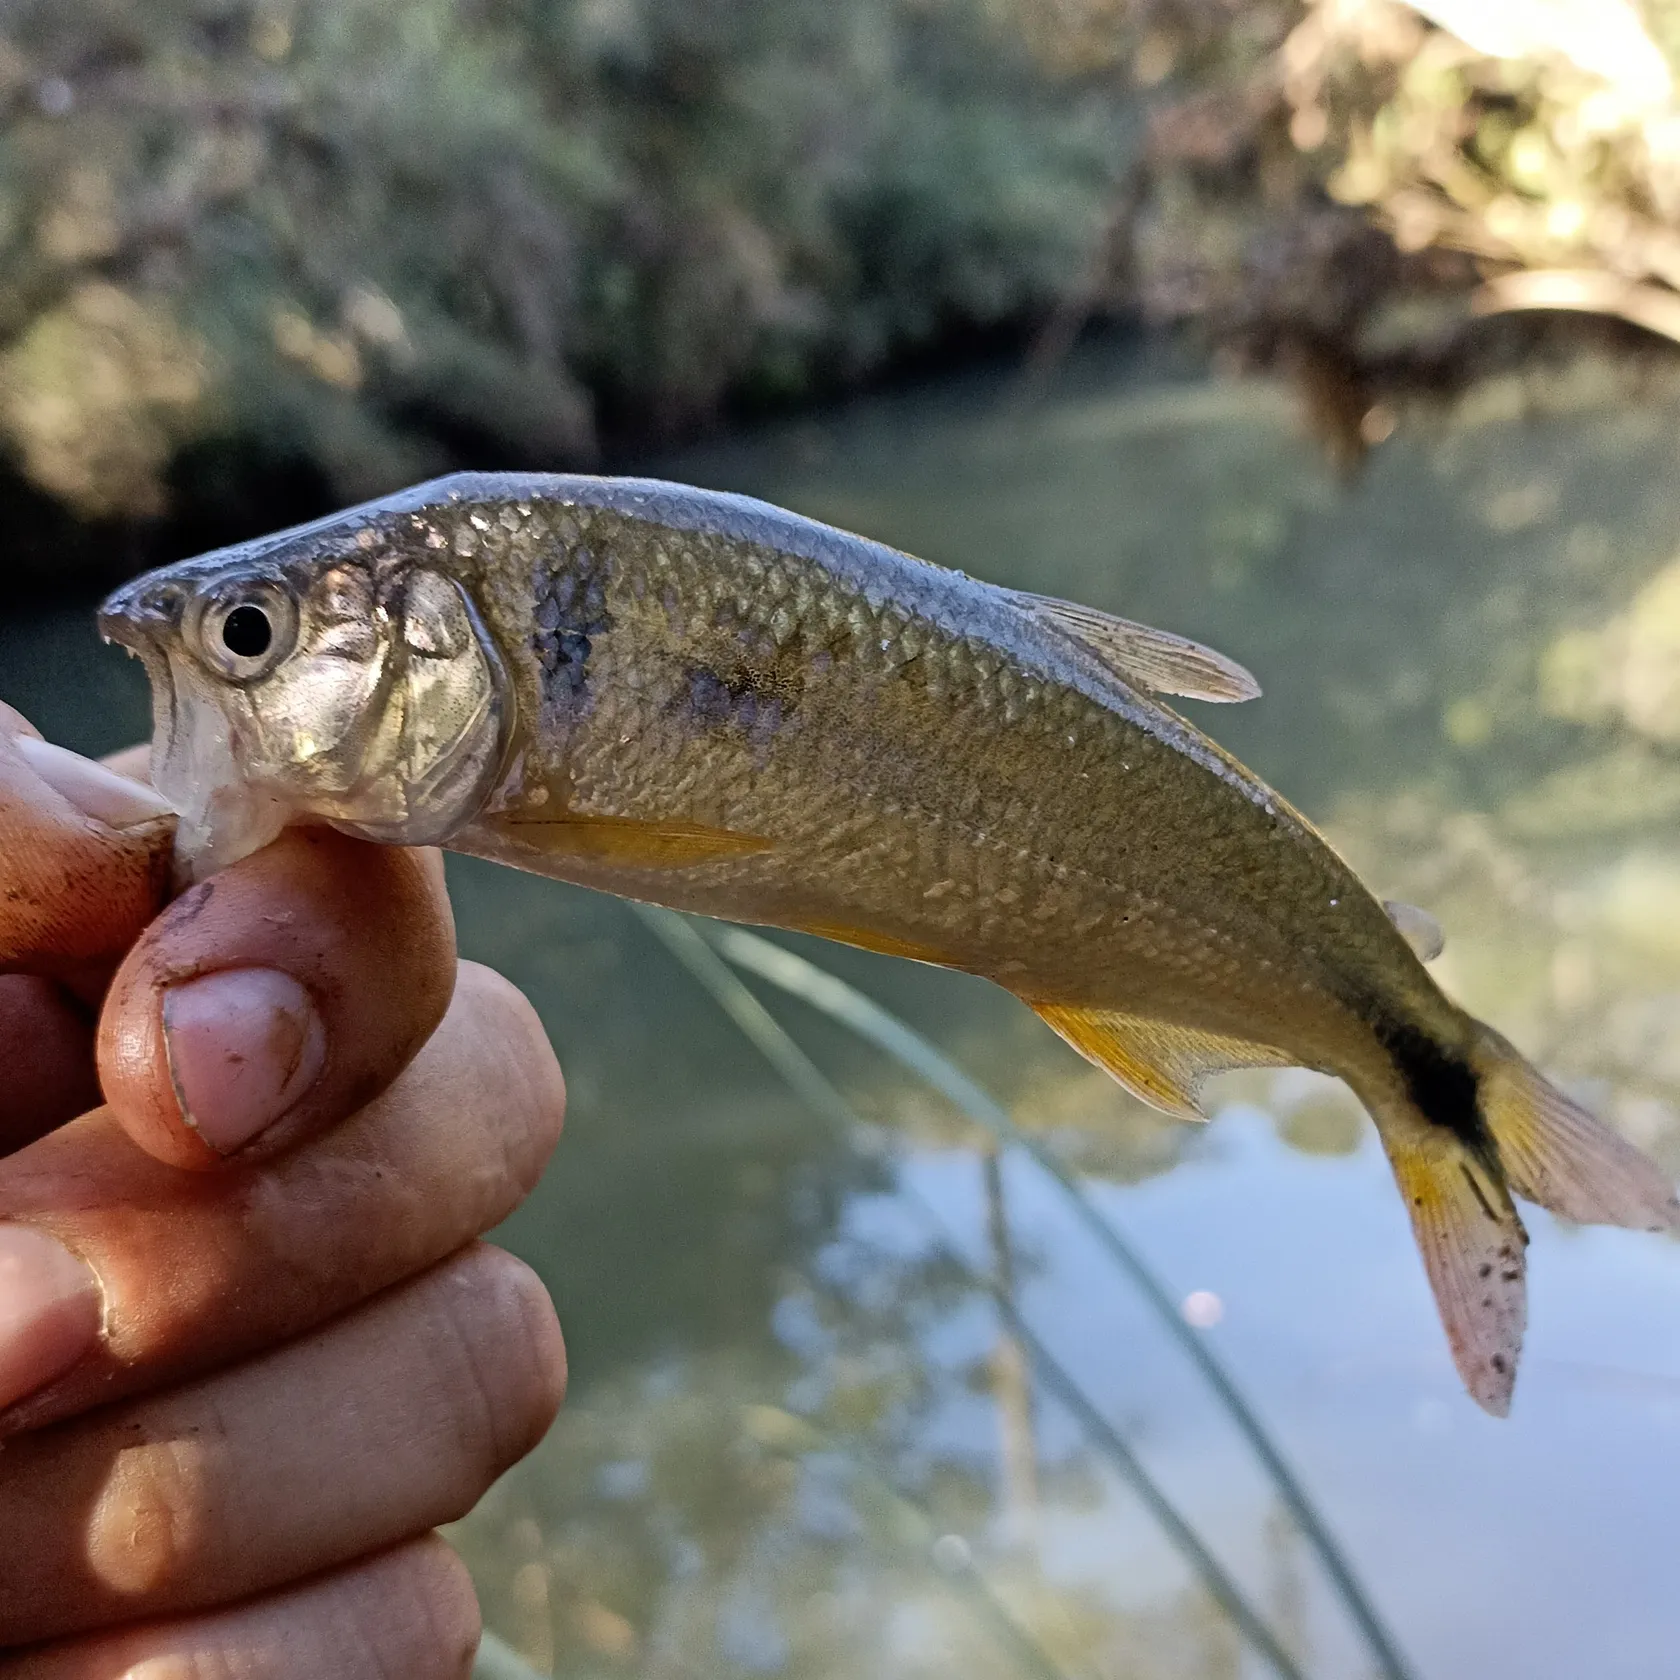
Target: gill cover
(367,697)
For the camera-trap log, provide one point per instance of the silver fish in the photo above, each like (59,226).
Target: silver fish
(706,702)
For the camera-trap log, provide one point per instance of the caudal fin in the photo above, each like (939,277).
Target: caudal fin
(1504,1128)
(1472,1244)
(1557,1154)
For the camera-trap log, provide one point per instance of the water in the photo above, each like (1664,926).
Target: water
(1472,667)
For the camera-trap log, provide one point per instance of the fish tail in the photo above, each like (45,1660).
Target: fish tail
(1469,1130)
(1472,1242)
(1555,1153)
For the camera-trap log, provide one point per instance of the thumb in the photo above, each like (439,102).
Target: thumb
(84,858)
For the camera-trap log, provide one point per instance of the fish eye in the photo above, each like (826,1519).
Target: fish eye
(245,631)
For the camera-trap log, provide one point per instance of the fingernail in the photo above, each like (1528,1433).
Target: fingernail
(50,1311)
(95,791)
(243,1046)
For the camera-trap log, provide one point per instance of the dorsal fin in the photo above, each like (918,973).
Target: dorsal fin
(1417,927)
(1147,658)
(1160,1064)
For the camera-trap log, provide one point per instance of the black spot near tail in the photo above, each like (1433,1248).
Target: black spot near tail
(1441,1084)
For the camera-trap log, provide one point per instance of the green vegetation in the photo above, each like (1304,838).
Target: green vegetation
(372,240)
(258,257)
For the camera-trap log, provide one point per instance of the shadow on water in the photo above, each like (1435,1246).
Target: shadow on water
(1472,665)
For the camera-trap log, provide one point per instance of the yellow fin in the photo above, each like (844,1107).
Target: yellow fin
(866,939)
(1417,927)
(1472,1244)
(1145,657)
(637,845)
(1160,1064)
(1557,1154)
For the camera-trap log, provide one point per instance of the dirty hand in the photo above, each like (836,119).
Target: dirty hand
(250,1352)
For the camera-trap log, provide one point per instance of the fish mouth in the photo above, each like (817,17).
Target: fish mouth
(142,613)
(142,618)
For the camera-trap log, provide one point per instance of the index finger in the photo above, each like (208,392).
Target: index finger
(277,997)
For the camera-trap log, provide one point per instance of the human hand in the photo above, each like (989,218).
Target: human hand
(250,1354)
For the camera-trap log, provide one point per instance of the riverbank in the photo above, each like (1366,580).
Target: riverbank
(261,258)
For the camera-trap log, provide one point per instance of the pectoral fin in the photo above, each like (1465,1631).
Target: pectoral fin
(1160,1064)
(1472,1244)
(1145,657)
(635,845)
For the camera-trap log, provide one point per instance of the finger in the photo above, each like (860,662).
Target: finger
(85,857)
(276,998)
(410,1612)
(257,1256)
(382,1426)
(46,1049)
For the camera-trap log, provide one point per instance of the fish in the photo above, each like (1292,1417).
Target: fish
(696,699)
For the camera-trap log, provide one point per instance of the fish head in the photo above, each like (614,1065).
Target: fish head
(338,673)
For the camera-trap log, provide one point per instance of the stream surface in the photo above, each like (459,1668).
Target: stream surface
(794,1423)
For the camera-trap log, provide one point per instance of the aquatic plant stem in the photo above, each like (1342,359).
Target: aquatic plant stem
(773,1041)
(498,1660)
(949,1554)
(833,997)
(1011,1381)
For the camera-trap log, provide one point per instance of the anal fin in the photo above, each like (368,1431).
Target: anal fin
(1472,1243)
(1159,1063)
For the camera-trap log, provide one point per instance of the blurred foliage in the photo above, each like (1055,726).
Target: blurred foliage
(377,239)
(1349,188)
(262,256)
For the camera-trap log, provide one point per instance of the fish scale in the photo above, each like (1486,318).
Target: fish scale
(745,789)
(706,702)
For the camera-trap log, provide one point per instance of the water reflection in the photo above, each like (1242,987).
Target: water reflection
(1472,663)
